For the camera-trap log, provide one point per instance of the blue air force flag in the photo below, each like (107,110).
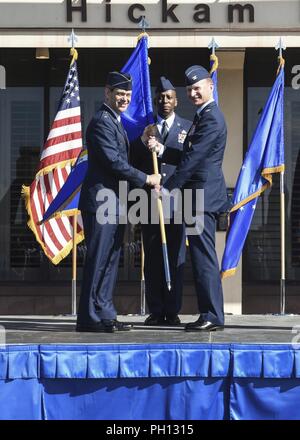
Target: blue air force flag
(140,112)
(264,157)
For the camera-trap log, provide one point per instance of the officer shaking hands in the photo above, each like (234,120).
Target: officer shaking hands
(108,147)
(200,167)
(170,133)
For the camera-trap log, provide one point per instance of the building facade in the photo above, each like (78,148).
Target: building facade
(179,35)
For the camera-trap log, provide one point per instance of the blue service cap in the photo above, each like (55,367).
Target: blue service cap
(119,80)
(163,85)
(194,74)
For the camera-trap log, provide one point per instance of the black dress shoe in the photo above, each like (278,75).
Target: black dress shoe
(202,326)
(106,326)
(172,320)
(122,326)
(154,320)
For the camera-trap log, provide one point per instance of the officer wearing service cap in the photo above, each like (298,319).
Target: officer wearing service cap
(171,131)
(108,146)
(200,167)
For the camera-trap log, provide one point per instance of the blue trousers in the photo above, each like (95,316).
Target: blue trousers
(100,269)
(206,272)
(161,301)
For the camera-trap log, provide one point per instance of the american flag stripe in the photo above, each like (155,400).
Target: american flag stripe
(66,227)
(63,145)
(60,132)
(68,113)
(59,232)
(60,177)
(60,141)
(54,235)
(63,224)
(66,121)
(80,223)
(46,238)
(51,161)
(63,227)
(51,231)
(46,229)
(39,231)
(52,183)
(65,173)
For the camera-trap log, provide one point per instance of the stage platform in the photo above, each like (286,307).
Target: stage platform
(262,329)
(248,371)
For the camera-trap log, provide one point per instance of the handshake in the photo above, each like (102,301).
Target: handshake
(149,138)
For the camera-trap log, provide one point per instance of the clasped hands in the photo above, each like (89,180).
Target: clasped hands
(149,138)
(154,180)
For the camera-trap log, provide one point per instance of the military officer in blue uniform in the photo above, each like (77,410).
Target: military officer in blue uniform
(108,146)
(163,305)
(200,167)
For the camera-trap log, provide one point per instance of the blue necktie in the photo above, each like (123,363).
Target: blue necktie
(164,131)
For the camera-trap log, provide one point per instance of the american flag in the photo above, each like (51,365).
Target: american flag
(59,153)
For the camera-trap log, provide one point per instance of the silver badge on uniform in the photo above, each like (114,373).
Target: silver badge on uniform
(181,136)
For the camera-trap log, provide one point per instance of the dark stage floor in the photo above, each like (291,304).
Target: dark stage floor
(238,329)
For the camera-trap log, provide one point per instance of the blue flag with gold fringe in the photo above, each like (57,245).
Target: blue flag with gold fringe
(264,157)
(138,115)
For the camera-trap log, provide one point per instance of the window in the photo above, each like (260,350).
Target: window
(261,257)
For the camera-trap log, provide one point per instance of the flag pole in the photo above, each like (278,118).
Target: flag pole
(213,46)
(143,290)
(144,24)
(214,64)
(162,228)
(73,39)
(280,47)
(282,244)
(74,266)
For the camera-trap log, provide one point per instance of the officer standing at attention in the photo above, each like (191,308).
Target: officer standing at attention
(107,145)
(163,305)
(200,167)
